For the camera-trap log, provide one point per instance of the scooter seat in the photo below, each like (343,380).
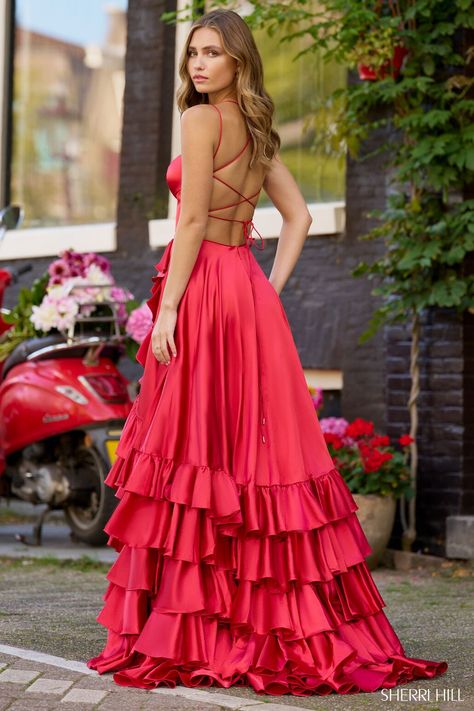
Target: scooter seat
(76,350)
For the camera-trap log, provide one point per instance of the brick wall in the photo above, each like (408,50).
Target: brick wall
(439,436)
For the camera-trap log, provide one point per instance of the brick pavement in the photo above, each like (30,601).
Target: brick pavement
(34,685)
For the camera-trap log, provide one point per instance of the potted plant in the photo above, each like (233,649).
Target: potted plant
(375,471)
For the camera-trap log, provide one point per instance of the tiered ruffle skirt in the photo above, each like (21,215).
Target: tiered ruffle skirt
(241,558)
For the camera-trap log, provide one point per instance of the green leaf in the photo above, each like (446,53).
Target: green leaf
(429,66)
(469,157)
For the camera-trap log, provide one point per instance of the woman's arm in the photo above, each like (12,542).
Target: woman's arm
(199,135)
(285,194)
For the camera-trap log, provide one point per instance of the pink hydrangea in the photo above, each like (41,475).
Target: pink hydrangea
(334,425)
(337,426)
(139,323)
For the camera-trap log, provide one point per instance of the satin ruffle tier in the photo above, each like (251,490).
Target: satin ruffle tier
(241,558)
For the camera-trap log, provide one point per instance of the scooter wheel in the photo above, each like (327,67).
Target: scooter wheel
(88,519)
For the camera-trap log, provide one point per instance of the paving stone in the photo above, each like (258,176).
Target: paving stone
(18,676)
(49,686)
(7,658)
(175,703)
(10,692)
(84,696)
(272,707)
(65,674)
(206,697)
(105,683)
(131,701)
(27,705)
(47,669)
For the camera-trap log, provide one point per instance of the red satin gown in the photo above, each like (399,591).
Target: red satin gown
(241,558)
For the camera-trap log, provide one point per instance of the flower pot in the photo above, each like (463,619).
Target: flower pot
(366,72)
(376,515)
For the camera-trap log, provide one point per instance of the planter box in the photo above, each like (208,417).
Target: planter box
(376,515)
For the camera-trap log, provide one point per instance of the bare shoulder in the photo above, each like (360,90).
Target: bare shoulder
(199,120)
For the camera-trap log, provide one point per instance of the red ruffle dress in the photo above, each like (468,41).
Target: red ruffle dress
(241,558)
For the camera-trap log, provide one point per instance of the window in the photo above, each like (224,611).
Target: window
(299,89)
(68,81)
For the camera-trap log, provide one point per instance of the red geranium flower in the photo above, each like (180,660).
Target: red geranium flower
(359,428)
(375,460)
(405,440)
(334,439)
(380,441)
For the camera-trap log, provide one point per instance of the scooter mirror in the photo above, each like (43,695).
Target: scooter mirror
(11,217)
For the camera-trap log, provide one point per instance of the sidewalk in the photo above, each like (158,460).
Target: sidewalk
(31,685)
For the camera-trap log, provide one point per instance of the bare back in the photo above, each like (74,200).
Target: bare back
(236,187)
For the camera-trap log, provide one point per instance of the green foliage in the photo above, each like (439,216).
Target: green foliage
(428,112)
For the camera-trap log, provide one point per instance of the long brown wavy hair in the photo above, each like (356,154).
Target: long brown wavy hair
(255,104)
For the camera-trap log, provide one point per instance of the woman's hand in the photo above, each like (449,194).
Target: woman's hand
(162,335)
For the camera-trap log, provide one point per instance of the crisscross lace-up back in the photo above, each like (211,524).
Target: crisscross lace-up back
(248,225)
(173,177)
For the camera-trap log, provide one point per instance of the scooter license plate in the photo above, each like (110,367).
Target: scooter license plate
(111,445)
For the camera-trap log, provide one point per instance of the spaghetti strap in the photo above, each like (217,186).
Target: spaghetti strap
(220,129)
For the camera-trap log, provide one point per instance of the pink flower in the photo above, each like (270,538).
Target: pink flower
(335,425)
(317,397)
(122,296)
(139,323)
(97,259)
(58,268)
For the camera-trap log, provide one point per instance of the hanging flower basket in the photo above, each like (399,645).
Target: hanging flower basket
(391,66)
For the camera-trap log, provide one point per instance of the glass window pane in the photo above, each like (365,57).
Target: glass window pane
(68,83)
(299,89)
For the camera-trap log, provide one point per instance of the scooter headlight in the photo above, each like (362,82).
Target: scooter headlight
(72,394)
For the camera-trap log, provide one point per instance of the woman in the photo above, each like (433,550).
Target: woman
(242,561)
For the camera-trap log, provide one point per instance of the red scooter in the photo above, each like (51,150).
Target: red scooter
(63,403)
